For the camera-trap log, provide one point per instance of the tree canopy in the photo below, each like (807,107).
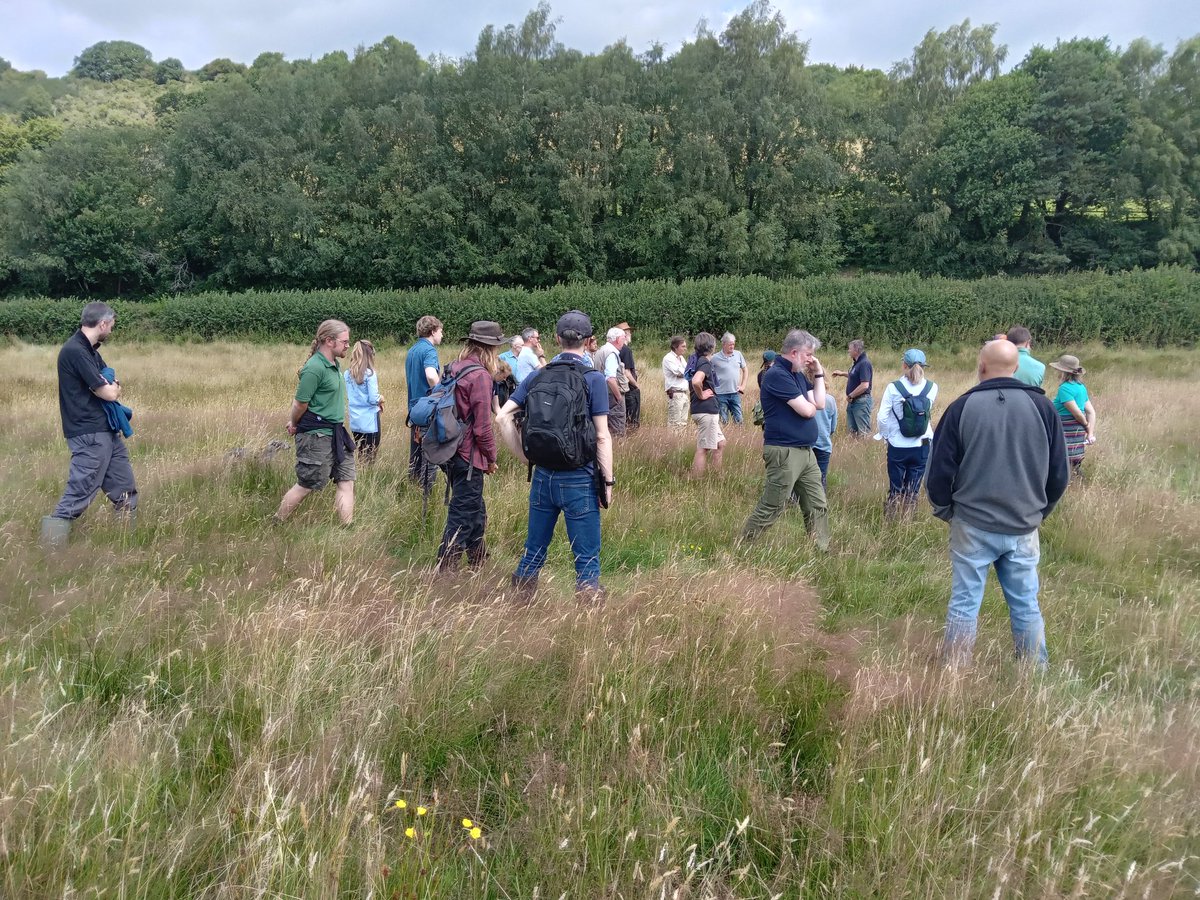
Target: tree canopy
(529,163)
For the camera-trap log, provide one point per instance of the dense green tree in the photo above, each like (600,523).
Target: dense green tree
(112,61)
(213,70)
(170,69)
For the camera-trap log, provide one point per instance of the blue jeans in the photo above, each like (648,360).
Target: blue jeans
(858,415)
(823,462)
(574,495)
(1015,556)
(730,407)
(906,468)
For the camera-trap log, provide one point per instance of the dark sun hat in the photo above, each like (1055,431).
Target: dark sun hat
(487,333)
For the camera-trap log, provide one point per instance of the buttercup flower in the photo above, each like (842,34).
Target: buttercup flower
(476,833)
(467,823)
(401,804)
(410,832)
(421,810)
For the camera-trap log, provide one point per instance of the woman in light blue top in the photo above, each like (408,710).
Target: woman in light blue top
(363,400)
(1075,410)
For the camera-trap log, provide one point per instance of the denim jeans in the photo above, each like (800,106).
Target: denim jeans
(858,415)
(823,463)
(729,406)
(1015,556)
(906,468)
(574,495)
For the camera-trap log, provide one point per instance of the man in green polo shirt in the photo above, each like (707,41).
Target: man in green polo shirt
(324,449)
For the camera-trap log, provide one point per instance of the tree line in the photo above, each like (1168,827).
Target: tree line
(530,164)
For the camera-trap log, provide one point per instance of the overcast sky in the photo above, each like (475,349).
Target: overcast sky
(49,34)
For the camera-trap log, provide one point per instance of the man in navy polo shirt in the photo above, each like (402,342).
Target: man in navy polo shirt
(573,492)
(99,460)
(858,389)
(789,404)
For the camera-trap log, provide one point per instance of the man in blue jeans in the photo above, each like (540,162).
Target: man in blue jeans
(573,491)
(997,468)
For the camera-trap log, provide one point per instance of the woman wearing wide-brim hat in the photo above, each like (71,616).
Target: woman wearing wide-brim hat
(1075,409)
(466,517)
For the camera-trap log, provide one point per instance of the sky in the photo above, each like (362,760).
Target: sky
(49,34)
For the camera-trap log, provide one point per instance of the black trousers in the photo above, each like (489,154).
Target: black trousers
(633,408)
(419,471)
(466,518)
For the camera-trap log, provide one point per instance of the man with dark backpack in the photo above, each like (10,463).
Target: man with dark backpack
(565,440)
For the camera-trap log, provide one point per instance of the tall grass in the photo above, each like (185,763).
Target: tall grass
(210,706)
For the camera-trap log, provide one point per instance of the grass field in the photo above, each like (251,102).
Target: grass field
(209,706)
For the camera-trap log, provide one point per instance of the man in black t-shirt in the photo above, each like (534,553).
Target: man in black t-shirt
(858,390)
(633,397)
(99,460)
(710,439)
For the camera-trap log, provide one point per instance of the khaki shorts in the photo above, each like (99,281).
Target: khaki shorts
(708,430)
(314,462)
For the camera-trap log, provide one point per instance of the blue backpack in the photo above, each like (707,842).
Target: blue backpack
(913,415)
(435,416)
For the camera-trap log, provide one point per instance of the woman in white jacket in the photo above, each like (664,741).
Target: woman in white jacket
(906,423)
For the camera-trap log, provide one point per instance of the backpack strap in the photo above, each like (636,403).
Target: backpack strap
(899,386)
(925,392)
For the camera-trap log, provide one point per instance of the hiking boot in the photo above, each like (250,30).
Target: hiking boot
(55,532)
(591,595)
(476,556)
(524,589)
(448,563)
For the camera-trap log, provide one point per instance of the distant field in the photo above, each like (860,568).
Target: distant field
(211,706)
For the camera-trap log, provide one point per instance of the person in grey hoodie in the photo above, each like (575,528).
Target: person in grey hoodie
(997,468)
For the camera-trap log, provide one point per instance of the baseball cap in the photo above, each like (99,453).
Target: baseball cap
(769,356)
(576,322)
(914,357)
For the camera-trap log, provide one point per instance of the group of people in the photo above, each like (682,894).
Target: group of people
(997,463)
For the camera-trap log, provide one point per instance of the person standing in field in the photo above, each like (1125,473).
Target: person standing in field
(826,420)
(364,401)
(421,374)
(532,357)
(633,393)
(509,357)
(1029,370)
(1074,408)
(466,517)
(99,458)
(858,389)
(790,403)
(710,439)
(564,438)
(675,384)
(997,468)
(324,448)
(729,368)
(607,361)
(906,426)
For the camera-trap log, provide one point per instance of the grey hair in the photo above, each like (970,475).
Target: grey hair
(705,343)
(527,333)
(94,313)
(516,338)
(857,345)
(614,334)
(798,339)
(728,338)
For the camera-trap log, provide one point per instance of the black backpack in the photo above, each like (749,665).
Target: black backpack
(914,410)
(436,418)
(557,432)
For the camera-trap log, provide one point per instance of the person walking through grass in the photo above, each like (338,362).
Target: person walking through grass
(705,410)
(363,400)
(790,403)
(997,468)
(1029,370)
(421,375)
(99,458)
(1075,409)
(906,427)
(466,517)
(324,448)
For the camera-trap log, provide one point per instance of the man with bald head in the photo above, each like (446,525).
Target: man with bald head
(997,468)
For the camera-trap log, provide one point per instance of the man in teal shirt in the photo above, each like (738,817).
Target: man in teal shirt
(421,374)
(1029,370)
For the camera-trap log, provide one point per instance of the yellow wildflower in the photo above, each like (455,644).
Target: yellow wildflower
(410,832)
(421,810)
(476,833)
(401,804)
(467,823)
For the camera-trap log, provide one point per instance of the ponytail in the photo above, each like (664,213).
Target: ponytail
(327,330)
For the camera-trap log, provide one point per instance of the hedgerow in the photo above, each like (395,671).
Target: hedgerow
(1157,307)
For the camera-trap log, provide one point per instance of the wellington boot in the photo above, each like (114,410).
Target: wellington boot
(55,532)
(524,589)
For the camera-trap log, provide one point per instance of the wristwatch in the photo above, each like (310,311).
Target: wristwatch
(611,483)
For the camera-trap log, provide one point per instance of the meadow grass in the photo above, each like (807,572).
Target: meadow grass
(209,706)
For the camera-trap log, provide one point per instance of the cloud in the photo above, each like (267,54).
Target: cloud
(49,34)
